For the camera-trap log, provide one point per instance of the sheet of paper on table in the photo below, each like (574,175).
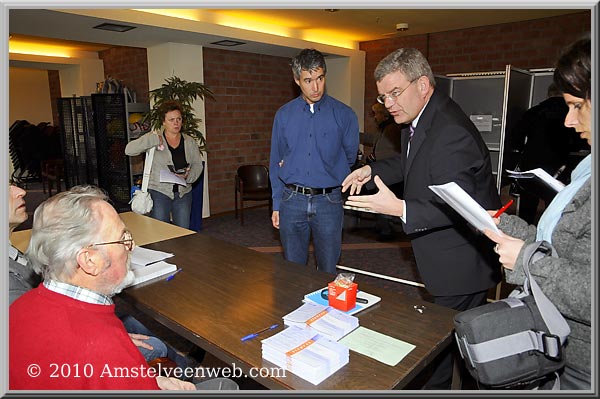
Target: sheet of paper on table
(144,256)
(376,345)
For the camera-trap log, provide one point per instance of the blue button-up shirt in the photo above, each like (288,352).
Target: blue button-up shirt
(312,149)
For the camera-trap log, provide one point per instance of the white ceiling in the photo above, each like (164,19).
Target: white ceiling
(357,25)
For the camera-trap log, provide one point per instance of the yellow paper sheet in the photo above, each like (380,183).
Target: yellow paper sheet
(379,346)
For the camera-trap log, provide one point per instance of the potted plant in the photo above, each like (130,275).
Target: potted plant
(185,93)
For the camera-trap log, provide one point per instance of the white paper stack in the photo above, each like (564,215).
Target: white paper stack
(154,270)
(147,264)
(143,256)
(301,351)
(325,320)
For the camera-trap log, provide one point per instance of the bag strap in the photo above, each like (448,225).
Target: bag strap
(555,322)
(550,343)
(147,168)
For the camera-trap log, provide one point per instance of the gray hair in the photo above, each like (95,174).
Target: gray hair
(308,59)
(63,225)
(408,61)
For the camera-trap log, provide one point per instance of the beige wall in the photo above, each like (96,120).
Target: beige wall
(29,96)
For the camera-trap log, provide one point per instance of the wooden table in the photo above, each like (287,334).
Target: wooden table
(145,230)
(226,292)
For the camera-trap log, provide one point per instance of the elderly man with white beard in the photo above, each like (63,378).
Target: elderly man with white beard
(64,334)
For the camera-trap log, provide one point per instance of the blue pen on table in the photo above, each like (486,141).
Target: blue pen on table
(254,335)
(172,276)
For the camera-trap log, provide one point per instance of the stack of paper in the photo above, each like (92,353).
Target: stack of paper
(304,353)
(325,320)
(144,256)
(147,264)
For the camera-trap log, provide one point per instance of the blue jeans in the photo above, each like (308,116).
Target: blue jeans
(133,326)
(180,207)
(323,215)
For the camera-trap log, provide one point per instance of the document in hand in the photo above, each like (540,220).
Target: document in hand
(166,176)
(539,173)
(325,320)
(465,205)
(305,353)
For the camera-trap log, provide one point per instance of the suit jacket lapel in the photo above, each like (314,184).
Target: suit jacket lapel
(415,144)
(421,130)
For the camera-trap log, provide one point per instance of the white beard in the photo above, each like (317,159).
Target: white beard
(127,280)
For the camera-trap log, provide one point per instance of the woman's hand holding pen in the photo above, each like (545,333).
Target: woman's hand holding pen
(495,219)
(185,174)
(507,247)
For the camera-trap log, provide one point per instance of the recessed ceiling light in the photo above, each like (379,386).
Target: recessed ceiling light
(114,27)
(332,9)
(228,43)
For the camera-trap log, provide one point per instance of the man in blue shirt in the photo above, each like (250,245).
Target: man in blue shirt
(313,145)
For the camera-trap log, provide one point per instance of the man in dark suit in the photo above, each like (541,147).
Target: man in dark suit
(439,145)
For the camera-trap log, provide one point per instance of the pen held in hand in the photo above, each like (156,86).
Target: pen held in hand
(503,209)
(254,335)
(172,276)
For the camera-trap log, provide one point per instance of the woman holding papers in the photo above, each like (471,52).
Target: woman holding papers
(175,167)
(566,224)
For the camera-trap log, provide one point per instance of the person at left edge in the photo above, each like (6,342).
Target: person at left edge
(64,334)
(178,150)
(313,145)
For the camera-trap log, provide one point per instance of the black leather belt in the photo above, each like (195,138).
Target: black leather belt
(310,190)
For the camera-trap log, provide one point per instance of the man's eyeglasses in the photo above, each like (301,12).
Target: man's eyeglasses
(127,241)
(394,95)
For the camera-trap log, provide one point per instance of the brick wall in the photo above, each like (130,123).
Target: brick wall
(525,45)
(54,86)
(248,88)
(130,66)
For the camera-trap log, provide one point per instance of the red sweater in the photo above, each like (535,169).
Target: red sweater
(69,344)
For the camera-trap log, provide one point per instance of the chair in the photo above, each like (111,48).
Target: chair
(252,182)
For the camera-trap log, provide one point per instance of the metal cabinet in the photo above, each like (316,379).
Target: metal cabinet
(78,140)
(494,101)
(111,124)
(95,130)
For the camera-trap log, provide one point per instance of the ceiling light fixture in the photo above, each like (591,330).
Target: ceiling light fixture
(114,27)
(228,43)
(332,9)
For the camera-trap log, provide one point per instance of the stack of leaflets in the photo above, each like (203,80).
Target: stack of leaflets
(305,353)
(148,264)
(324,320)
